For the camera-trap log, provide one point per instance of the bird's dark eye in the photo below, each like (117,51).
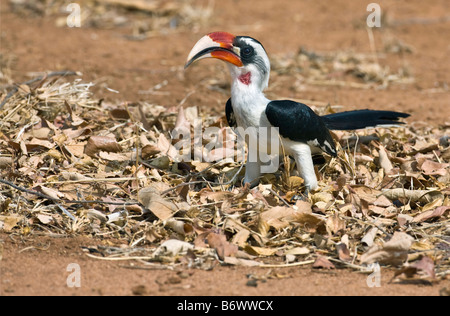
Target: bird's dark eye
(247,51)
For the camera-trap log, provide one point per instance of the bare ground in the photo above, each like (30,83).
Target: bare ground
(39,267)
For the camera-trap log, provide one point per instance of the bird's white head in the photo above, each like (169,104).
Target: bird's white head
(247,58)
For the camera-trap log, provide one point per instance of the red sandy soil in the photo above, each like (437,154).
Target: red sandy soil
(108,58)
(38,266)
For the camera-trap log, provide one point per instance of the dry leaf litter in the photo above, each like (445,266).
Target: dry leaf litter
(100,172)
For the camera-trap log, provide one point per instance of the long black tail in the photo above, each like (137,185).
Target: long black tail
(361,119)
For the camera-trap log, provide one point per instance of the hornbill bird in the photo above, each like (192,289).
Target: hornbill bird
(303,133)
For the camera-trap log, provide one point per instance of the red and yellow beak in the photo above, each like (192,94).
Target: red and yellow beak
(216,45)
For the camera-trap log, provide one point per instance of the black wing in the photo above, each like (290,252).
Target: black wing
(297,122)
(230,114)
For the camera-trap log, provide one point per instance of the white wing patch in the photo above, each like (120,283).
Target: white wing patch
(315,143)
(330,147)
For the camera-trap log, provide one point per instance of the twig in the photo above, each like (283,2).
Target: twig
(287,265)
(119,258)
(66,212)
(47,197)
(96,180)
(152,267)
(35,247)
(282,200)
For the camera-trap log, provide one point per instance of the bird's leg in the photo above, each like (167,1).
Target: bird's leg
(305,166)
(252,172)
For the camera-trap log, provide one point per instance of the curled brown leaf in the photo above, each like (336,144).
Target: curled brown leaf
(96,144)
